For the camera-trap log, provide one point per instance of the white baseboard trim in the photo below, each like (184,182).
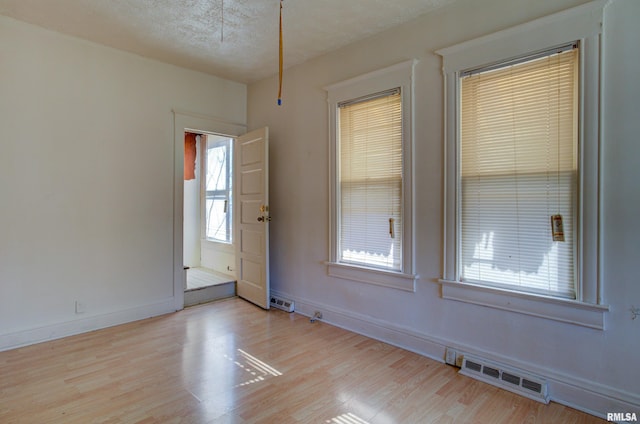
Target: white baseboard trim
(592,398)
(370,327)
(84,325)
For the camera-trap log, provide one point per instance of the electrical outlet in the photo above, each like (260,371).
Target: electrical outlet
(80,307)
(451,356)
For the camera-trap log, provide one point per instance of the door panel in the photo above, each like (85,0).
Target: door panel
(253,242)
(252,182)
(250,211)
(252,230)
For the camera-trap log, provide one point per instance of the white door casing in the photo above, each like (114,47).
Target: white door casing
(192,122)
(252,216)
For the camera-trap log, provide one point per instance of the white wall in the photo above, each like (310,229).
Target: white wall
(219,257)
(597,371)
(191,219)
(87,180)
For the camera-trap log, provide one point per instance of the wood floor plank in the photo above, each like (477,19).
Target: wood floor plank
(231,362)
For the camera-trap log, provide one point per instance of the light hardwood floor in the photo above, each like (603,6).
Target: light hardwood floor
(231,362)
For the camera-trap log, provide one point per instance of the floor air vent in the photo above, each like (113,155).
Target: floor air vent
(506,378)
(284,304)
(473,366)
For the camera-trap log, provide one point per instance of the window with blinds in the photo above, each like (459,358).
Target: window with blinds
(370,181)
(518,173)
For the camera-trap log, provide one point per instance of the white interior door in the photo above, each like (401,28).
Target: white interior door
(252,216)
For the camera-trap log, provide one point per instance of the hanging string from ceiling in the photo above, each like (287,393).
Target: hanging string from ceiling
(280,66)
(222,21)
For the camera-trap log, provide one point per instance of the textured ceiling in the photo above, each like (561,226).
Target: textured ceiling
(188,33)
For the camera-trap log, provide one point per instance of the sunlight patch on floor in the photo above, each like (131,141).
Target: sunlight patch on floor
(347,418)
(259,370)
(259,365)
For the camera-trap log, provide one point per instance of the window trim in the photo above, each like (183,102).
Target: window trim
(229,142)
(582,24)
(396,76)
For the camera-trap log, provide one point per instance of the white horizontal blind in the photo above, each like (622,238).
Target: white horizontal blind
(518,168)
(370,178)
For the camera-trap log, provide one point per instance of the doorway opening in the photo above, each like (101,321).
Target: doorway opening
(250,228)
(208,249)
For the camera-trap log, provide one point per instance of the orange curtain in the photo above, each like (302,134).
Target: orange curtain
(189,156)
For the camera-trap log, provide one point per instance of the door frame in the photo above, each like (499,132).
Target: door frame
(197,123)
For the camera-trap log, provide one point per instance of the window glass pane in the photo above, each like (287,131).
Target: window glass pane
(216,166)
(216,219)
(370,176)
(518,169)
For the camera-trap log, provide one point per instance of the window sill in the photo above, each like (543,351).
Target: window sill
(378,277)
(563,310)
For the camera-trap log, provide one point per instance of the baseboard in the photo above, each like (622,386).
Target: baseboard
(370,327)
(592,398)
(83,325)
